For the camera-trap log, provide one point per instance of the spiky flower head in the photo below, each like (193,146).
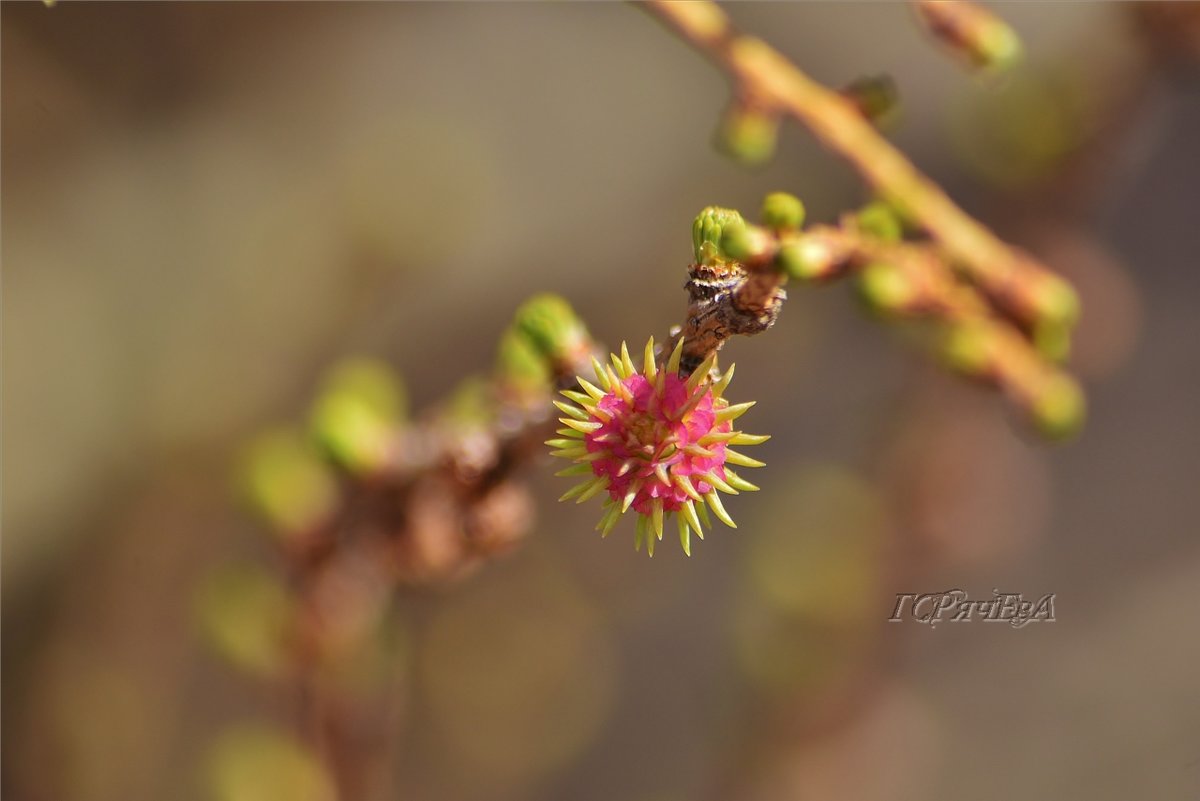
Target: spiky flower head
(656,443)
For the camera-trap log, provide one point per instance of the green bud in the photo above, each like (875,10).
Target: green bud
(471,402)
(519,365)
(782,211)
(972,33)
(549,324)
(1053,341)
(1056,301)
(745,242)
(748,135)
(1000,48)
(885,287)
(254,761)
(361,404)
(880,221)
(1060,408)
(707,230)
(966,347)
(284,479)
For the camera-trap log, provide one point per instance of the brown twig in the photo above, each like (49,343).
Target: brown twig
(1013,280)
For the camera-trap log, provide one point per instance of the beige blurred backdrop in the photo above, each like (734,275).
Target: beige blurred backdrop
(206,204)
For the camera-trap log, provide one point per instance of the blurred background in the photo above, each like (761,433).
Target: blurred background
(206,205)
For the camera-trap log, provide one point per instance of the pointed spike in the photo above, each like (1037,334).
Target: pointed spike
(685,484)
(718,509)
(648,365)
(570,433)
(743,438)
(600,483)
(717,436)
(634,487)
(656,512)
(685,535)
(723,382)
(593,392)
(699,451)
(689,510)
(734,412)
(703,509)
(581,455)
(575,490)
(742,459)
(571,411)
(627,362)
(660,470)
(614,516)
(575,470)
(712,478)
(737,481)
(580,425)
(603,519)
(601,375)
(676,355)
(582,398)
(701,373)
(611,514)
(558,444)
(617,366)
(640,534)
(626,466)
(618,386)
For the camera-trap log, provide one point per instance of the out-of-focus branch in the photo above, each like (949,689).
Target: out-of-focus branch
(971,33)
(366,500)
(1035,298)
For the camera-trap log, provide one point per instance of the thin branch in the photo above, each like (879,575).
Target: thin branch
(1011,278)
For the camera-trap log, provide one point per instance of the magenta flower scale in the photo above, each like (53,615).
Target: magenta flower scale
(656,443)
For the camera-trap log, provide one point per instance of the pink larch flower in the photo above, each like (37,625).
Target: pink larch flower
(656,443)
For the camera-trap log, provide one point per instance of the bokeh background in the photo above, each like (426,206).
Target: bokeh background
(205,205)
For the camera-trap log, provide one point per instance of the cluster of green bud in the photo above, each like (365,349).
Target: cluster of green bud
(287,474)
(546,339)
(1055,403)
(721,235)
